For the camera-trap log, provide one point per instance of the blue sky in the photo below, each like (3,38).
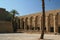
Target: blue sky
(25,7)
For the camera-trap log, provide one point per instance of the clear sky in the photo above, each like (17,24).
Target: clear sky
(25,7)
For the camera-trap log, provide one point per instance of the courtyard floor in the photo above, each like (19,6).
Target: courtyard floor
(25,36)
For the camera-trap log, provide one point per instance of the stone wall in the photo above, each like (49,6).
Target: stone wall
(5,27)
(34,21)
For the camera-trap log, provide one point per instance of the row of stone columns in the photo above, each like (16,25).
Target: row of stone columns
(46,23)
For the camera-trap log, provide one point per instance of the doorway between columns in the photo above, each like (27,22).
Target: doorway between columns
(59,29)
(51,29)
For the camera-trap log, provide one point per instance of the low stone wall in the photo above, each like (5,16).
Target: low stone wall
(5,27)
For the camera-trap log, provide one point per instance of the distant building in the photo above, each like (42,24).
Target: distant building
(34,21)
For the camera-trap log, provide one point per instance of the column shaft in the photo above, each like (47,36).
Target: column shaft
(40,24)
(47,28)
(54,25)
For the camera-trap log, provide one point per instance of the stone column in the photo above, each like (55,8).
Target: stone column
(20,24)
(54,24)
(24,25)
(34,22)
(47,28)
(40,23)
(29,23)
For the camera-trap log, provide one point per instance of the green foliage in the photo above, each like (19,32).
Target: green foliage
(14,12)
(5,15)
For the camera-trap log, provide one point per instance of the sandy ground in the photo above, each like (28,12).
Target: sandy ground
(25,36)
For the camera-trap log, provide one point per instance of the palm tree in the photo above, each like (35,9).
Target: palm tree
(14,12)
(43,11)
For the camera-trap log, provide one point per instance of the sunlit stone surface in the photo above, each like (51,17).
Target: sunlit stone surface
(25,36)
